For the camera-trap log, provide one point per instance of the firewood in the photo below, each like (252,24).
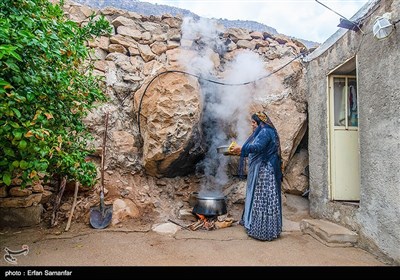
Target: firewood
(196,225)
(199,226)
(73,206)
(223,224)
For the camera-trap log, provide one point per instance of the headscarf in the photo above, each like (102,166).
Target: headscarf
(261,119)
(265,119)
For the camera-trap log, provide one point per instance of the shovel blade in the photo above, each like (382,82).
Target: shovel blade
(100,218)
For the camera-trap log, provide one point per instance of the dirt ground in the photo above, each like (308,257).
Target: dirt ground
(136,245)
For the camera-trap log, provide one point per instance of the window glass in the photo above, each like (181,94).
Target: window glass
(352,104)
(339,95)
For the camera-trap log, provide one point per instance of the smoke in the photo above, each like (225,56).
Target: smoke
(226,108)
(247,66)
(205,43)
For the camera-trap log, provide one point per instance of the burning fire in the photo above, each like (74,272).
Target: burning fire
(208,224)
(211,223)
(201,217)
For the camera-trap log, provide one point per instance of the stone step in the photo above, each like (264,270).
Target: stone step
(329,233)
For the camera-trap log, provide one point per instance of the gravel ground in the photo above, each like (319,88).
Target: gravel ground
(135,245)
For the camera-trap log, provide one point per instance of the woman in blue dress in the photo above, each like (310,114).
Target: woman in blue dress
(262,214)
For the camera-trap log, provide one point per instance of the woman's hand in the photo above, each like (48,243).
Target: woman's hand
(235,149)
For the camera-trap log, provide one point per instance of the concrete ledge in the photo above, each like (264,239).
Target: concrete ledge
(329,233)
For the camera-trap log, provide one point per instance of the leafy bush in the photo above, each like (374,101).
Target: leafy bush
(46,89)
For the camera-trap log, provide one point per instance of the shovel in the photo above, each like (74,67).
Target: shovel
(100,216)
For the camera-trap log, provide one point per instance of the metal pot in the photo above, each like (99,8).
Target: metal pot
(210,205)
(193,199)
(223,149)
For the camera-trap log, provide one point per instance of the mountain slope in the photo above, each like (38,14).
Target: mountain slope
(145,8)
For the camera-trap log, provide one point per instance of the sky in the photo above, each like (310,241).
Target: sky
(303,19)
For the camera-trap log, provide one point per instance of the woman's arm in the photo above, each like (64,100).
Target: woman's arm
(260,142)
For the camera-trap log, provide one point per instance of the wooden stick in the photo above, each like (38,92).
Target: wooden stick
(201,224)
(57,202)
(169,220)
(73,206)
(103,153)
(196,225)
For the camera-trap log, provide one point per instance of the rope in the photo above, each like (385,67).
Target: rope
(208,80)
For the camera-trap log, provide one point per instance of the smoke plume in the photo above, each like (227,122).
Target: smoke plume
(226,108)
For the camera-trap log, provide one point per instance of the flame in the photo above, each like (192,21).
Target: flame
(207,223)
(201,217)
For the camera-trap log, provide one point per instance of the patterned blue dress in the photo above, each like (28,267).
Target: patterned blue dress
(262,215)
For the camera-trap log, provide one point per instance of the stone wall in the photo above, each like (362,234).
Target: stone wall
(22,206)
(375,218)
(155,135)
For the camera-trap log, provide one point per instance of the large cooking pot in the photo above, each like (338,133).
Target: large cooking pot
(209,205)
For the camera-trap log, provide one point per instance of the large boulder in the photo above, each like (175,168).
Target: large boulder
(170,112)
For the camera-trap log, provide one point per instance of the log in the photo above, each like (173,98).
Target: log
(196,225)
(73,206)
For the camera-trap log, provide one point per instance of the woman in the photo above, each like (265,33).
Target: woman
(262,215)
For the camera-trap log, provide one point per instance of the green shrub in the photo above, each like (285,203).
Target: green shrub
(46,89)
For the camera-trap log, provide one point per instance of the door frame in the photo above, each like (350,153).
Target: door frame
(336,72)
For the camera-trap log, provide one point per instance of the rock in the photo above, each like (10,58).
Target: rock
(171,108)
(3,191)
(37,188)
(166,228)
(187,215)
(122,209)
(124,142)
(20,217)
(295,180)
(18,191)
(46,195)
(26,201)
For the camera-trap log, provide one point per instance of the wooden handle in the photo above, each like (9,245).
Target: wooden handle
(103,154)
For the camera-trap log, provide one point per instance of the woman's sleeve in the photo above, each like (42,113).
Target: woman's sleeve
(260,142)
